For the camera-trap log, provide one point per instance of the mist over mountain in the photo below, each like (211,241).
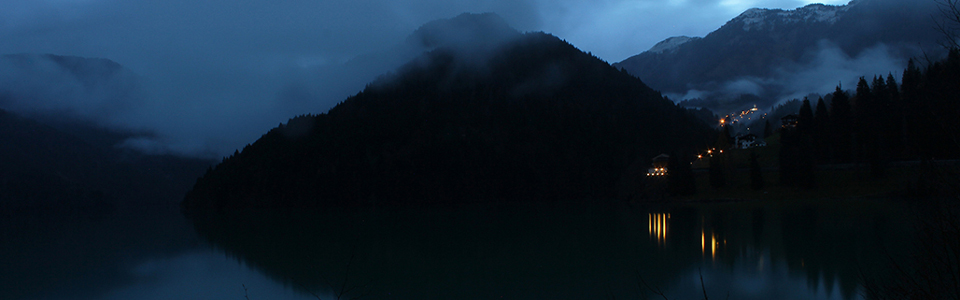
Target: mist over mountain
(318,88)
(49,169)
(784,54)
(536,120)
(68,86)
(209,116)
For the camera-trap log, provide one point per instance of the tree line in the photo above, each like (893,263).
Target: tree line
(882,122)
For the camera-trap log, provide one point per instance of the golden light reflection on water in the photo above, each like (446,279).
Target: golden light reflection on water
(658,226)
(714,244)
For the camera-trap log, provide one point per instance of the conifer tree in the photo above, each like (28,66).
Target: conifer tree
(756,173)
(870,115)
(680,180)
(788,154)
(717,177)
(841,119)
(805,121)
(803,142)
(863,119)
(821,120)
(767,130)
(897,131)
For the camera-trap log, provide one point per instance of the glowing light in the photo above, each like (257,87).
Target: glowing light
(713,246)
(658,227)
(703,242)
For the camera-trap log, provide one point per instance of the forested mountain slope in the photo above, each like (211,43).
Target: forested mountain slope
(533,119)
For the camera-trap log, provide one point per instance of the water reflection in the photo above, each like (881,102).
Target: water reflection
(66,255)
(714,244)
(201,275)
(658,227)
(749,250)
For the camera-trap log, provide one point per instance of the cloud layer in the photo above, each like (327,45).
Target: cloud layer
(215,74)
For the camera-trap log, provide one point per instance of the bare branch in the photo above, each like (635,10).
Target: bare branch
(704,288)
(948,23)
(655,291)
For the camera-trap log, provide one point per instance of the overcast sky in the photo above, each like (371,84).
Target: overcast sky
(210,63)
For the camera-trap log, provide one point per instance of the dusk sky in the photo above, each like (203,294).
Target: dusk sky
(212,69)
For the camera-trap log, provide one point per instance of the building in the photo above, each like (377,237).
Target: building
(659,165)
(749,141)
(789,121)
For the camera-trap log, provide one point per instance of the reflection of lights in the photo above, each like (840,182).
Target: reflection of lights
(714,244)
(658,226)
(703,242)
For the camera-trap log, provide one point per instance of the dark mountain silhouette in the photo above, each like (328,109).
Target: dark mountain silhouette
(42,167)
(532,119)
(762,45)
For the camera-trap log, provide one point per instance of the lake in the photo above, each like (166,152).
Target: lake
(815,249)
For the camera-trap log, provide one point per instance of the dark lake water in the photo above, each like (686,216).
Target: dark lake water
(747,250)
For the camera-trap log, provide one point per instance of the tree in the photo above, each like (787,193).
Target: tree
(788,154)
(756,173)
(909,100)
(821,124)
(680,180)
(723,141)
(717,177)
(863,115)
(871,131)
(803,142)
(805,121)
(949,23)
(841,119)
(767,130)
(897,130)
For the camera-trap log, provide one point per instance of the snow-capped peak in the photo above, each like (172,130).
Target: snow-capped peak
(761,18)
(671,43)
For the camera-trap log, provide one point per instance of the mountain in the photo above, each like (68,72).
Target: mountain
(79,88)
(331,83)
(781,54)
(531,119)
(42,167)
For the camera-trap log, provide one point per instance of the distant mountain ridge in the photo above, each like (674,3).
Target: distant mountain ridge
(80,88)
(43,167)
(759,45)
(671,44)
(531,119)
(767,19)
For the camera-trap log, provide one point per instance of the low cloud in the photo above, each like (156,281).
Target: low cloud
(824,68)
(831,66)
(207,77)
